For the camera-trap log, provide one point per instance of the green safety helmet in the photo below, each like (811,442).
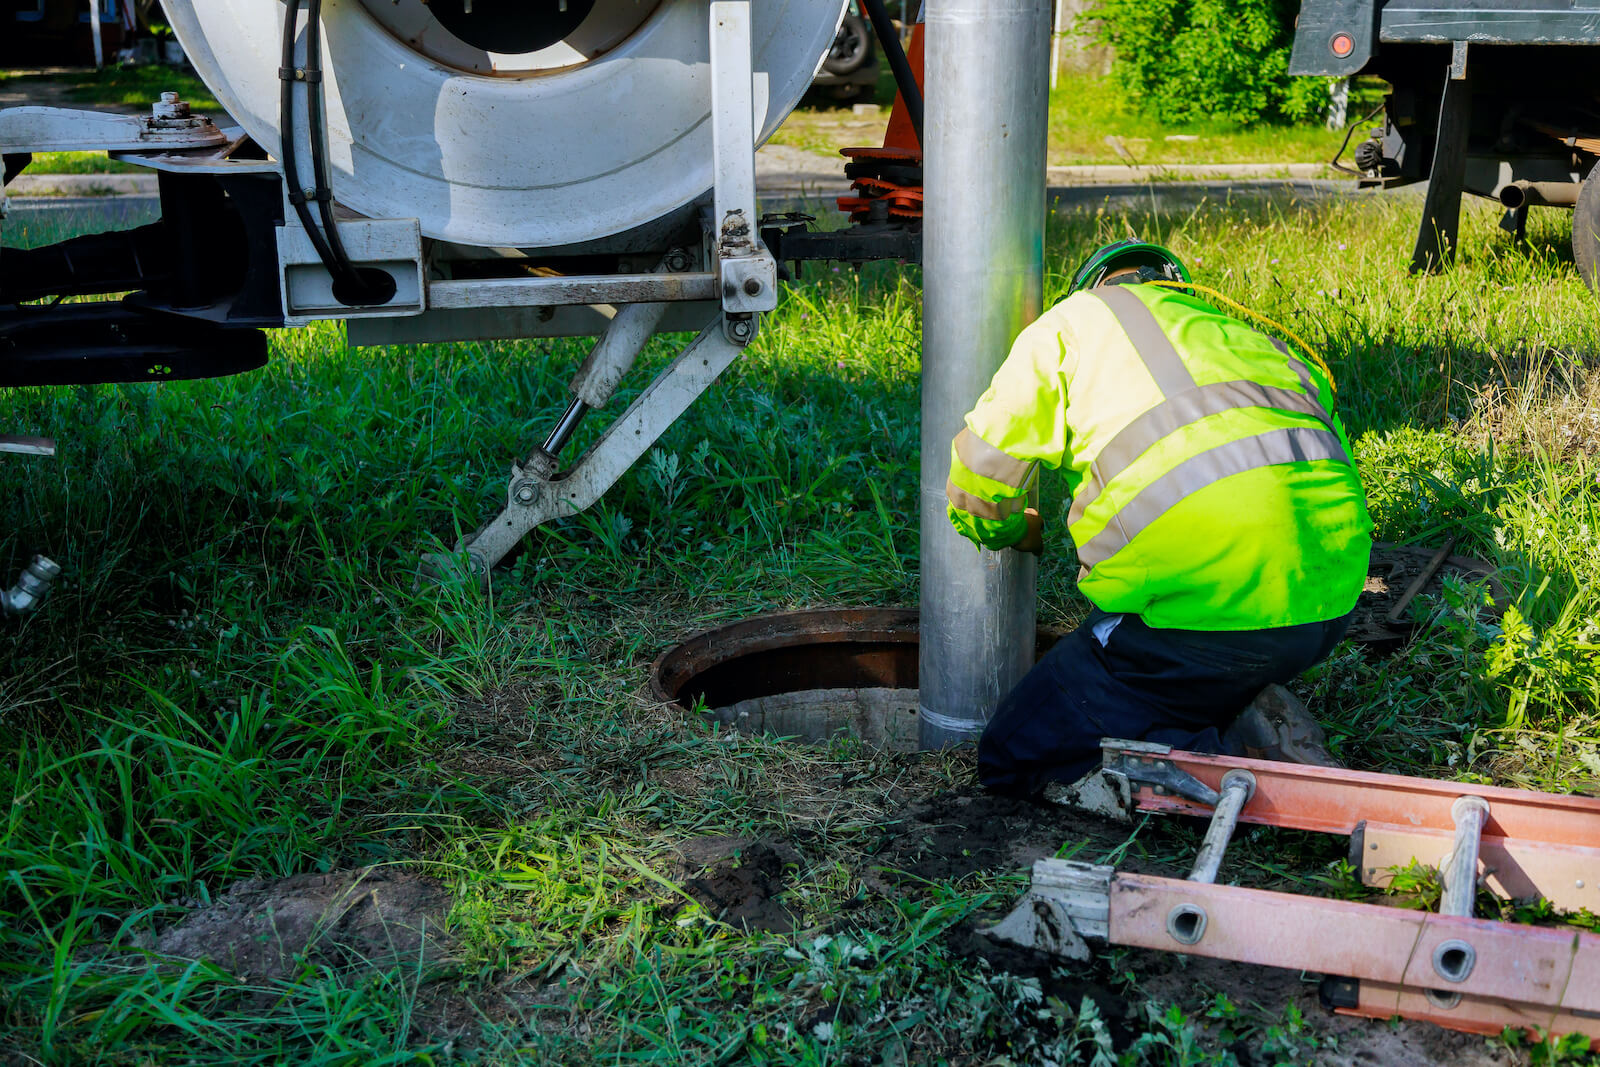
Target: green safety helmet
(1158,263)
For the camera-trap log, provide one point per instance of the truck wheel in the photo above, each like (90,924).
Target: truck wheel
(1586,230)
(851,48)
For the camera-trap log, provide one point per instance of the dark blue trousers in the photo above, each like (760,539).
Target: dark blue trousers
(1176,687)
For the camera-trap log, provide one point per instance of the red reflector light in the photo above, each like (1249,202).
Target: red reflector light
(1342,45)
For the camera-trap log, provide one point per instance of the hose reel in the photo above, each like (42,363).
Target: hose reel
(561,142)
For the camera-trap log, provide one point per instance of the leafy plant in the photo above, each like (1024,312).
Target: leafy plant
(1190,60)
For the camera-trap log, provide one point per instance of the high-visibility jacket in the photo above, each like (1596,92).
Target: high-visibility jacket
(1212,485)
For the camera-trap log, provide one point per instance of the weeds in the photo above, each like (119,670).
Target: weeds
(239,677)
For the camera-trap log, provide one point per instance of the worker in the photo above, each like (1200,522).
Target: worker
(1221,529)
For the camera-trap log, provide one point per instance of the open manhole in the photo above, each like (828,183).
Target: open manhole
(813,675)
(820,674)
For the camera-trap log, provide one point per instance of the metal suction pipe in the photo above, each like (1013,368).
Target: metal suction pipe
(1459,870)
(612,356)
(1539,194)
(987,78)
(1238,786)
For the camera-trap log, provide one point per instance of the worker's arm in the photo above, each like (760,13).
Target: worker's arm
(1018,424)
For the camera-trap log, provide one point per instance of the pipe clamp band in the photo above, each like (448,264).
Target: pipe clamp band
(948,722)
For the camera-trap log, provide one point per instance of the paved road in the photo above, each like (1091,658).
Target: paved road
(785,177)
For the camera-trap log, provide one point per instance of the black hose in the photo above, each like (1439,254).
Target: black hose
(315,120)
(286,152)
(904,79)
(351,286)
(1350,129)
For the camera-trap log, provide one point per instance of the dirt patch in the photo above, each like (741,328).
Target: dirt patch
(1390,574)
(266,930)
(741,880)
(965,831)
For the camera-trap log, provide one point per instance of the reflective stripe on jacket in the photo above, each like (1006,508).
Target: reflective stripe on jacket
(1212,485)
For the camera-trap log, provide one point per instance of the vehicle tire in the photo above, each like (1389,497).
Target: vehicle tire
(852,47)
(1586,230)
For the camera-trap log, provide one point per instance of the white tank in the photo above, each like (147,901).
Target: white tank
(549,142)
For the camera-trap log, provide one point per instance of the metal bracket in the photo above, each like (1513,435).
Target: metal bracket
(393,246)
(1067,904)
(1143,766)
(747,274)
(24,445)
(59,129)
(537,494)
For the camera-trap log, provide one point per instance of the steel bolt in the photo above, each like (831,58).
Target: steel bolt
(752,287)
(676,260)
(170,106)
(526,493)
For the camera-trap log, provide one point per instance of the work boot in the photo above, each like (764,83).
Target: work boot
(1277,726)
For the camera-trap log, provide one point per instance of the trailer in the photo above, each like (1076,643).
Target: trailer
(1490,97)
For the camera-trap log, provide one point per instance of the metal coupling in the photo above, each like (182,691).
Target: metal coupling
(33,585)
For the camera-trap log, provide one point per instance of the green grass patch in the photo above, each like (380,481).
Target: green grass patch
(80,163)
(240,676)
(1087,109)
(130,87)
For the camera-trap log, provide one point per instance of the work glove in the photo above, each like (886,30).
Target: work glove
(1033,540)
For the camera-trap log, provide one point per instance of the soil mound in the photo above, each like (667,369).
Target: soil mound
(742,880)
(263,930)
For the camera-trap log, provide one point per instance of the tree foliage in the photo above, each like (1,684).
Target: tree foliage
(1197,60)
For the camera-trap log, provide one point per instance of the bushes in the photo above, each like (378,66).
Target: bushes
(1193,60)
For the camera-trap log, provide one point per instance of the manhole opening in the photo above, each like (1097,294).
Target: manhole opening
(816,676)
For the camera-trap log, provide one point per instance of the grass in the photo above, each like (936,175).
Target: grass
(130,87)
(1089,122)
(80,163)
(240,677)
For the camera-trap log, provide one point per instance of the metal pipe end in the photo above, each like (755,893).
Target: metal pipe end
(1465,807)
(1187,924)
(1454,959)
(1241,778)
(1520,194)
